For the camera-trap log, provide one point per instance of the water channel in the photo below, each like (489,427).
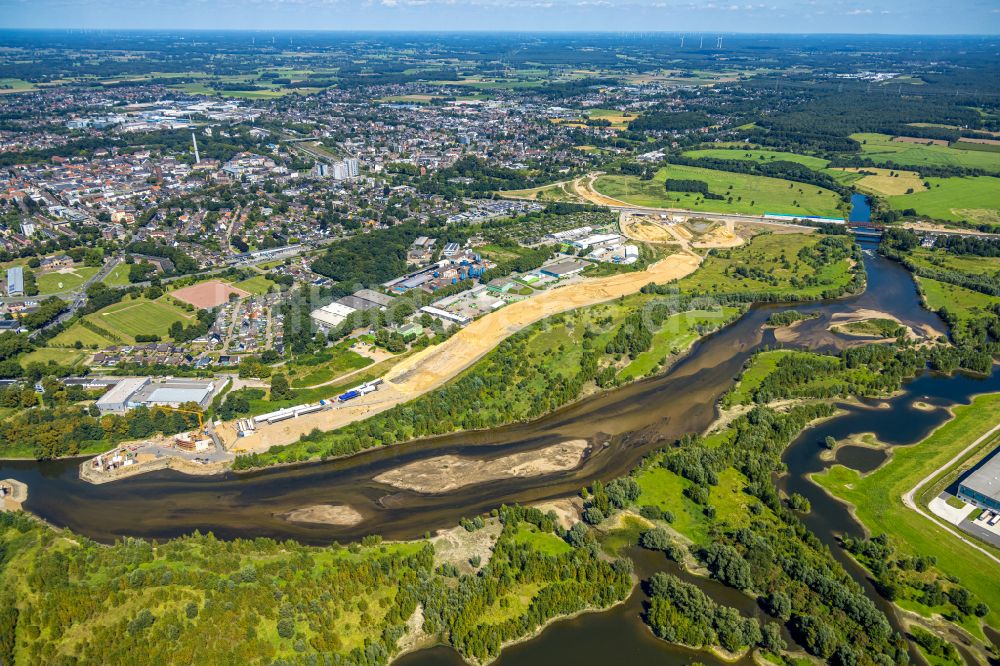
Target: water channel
(622,426)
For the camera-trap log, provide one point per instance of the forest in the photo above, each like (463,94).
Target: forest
(196,599)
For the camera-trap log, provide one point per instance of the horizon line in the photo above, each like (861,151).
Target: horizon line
(496,31)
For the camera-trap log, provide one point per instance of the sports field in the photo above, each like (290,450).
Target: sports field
(121,322)
(974,199)
(881,148)
(63,280)
(744,194)
(210,294)
(763,156)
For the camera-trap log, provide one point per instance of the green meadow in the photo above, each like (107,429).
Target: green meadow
(744,194)
(974,199)
(881,149)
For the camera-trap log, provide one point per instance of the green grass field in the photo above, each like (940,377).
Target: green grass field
(125,320)
(816,163)
(766,250)
(8,85)
(47,355)
(754,195)
(118,277)
(975,199)
(664,489)
(964,303)
(333,363)
(877,501)
(675,336)
(969,264)
(256,285)
(61,281)
(881,149)
(543,542)
(761,365)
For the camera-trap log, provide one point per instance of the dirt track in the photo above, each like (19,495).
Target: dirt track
(432,367)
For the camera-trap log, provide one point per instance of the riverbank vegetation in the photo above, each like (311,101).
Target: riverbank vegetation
(715,493)
(957,278)
(916,563)
(710,500)
(717,496)
(197,599)
(555,361)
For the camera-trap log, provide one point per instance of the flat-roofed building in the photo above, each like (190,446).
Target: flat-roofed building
(982,486)
(173,393)
(117,398)
(332,315)
(564,268)
(444,314)
(15,281)
(375,297)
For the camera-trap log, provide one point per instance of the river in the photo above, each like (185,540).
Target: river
(623,425)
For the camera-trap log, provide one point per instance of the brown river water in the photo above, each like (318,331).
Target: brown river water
(621,425)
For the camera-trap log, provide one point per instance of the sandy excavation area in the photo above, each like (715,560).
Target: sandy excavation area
(326,514)
(722,235)
(647,230)
(447,473)
(432,367)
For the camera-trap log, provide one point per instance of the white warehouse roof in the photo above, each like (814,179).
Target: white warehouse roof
(332,315)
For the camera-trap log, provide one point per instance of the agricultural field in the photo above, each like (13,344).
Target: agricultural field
(739,270)
(881,148)
(121,322)
(618,119)
(974,199)
(67,279)
(756,155)
(886,182)
(745,194)
(876,498)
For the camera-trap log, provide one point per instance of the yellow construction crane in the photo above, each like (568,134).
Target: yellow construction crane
(200,414)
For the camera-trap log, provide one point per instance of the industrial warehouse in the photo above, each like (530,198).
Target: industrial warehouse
(981,488)
(133,392)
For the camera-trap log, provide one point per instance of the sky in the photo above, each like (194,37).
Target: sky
(717,16)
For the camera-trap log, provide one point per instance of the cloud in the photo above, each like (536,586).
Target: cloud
(859,12)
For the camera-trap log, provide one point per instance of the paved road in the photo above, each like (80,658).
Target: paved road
(79,295)
(910,503)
